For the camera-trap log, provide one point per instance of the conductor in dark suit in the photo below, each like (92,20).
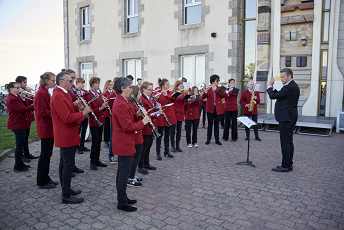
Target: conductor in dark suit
(286,115)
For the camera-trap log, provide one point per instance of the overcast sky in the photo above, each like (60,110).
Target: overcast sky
(31,39)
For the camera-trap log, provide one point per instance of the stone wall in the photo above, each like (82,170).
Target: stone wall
(295,46)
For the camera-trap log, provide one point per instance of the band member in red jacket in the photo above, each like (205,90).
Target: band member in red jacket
(98,107)
(112,98)
(164,97)
(231,111)
(123,140)
(202,105)
(18,121)
(66,133)
(44,127)
(179,111)
(107,90)
(214,108)
(148,103)
(22,82)
(192,117)
(245,102)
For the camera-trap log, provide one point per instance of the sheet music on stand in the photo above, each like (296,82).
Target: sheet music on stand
(256,87)
(246,121)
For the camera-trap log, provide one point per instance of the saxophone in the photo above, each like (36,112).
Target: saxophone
(252,103)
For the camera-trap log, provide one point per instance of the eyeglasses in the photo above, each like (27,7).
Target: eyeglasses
(17,87)
(70,81)
(52,80)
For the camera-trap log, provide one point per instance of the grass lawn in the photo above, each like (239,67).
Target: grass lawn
(7,139)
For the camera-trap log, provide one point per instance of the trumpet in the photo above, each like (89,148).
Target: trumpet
(27,94)
(31,90)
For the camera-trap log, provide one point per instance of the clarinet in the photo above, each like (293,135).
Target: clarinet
(156,102)
(105,99)
(144,112)
(85,104)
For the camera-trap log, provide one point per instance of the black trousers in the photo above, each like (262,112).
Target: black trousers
(254,117)
(107,130)
(286,129)
(161,130)
(20,135)
(67,162)
(135,160)
(123,172)
(26,144)
(231,117)
(83,128)
(47,145)
(179,133)
(146,146)
(194,124)
(202,112)
(213,119)
(96,133)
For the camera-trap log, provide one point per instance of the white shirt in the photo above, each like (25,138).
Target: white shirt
(63,89)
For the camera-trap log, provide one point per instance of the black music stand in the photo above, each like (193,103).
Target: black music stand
(248,124)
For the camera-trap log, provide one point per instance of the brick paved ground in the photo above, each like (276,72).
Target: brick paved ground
(201,188)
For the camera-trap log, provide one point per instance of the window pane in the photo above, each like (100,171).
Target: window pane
(137,69)
(136,7)
(326,26)
(198,0)
(250,8)
(250,49)
(187,67)
(200,70)
(133,25)
(193,14)
(84,16)
(188,1)
(86,33)
(327,4)
(86,66)
(129,67)
(322,98)
(88,15)
(324,66)
(129,7)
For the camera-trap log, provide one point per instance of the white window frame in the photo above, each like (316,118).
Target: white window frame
(86,74)
(87,21)
(131,15)
(134,66)
(193,3)
(193,77)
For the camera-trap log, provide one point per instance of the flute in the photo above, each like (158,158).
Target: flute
(85,104)
(105,100)
(157,104)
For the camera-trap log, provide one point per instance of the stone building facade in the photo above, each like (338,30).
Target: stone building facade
(240,39)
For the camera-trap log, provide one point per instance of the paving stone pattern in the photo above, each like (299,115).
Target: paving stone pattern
(200,188)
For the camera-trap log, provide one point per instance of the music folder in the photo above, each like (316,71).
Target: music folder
(235,90)
(186,96)
(198,100)
(176,94)
(222,89)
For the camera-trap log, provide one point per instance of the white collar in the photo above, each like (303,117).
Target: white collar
(288,82)
(15,95)
(63,89)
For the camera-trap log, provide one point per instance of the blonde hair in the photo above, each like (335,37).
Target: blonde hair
(106,86)
(45,76)
(145,85)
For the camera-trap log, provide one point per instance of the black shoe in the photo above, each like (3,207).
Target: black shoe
(85,149)
(25,166)
(280,169)
(93,167)
(100,164)
(179,149)
(73,175)
(168,154)
(173,149)
(53,182)
(30,156)
(127,208)
(218,142)
(158,157)
(77,170)
(225,139)
(47,186)
(149,167)
(25,160)
(19,168)
(106,145)
(246,139)
(77,192)
(207,143)
(72,200)
(79,151)
(258,139)
(290,167)
(142,170)
(131,201)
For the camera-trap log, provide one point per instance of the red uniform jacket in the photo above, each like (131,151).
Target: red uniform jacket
(246,98)
(65,120)
(107,95)
(110,102)
(18,112)
(44,124)
(31,114)
(123,128)
(148,104)
(94,105)
(210,101)
(192,110)
(72,95)
(168,110)
(179,107)
(138,134)
(231,101)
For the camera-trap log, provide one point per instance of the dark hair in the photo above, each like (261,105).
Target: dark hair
(121,82)
(94,80)
(145,85)
(232,79)
(184,79)
(192,90)
(214,78)
(135,92)
(10,85)
(162,82)
(114,80)
(287,71)
(138,79)
(45,76)
(68,71)
(60,77)
(130,77)
(20,79)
